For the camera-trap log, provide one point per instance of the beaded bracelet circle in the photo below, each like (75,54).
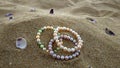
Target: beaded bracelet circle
(59,44)
(62,57)
(38,37)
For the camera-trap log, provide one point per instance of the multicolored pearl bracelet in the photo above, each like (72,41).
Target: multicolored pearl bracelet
(59,44)
(38,36)
(58,39)
(62,57)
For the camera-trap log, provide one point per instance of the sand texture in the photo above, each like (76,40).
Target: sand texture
(100,50)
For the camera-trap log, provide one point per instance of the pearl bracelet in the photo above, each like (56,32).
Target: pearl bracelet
(59,44)
(62,57)
(38,37)
(58,39)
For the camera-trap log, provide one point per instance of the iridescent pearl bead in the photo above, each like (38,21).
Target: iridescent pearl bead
(74,55)
(77,53)
(62,57)
(37,36)
(73,49)
(66,57)
(51,52)
(65,48)
(38,40)
(54,55)
(58,57)
(38,33)
(69,50)
(50,49)
(44,49)
(70,57)
(50,46)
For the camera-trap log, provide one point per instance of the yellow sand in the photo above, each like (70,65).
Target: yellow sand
(100,50)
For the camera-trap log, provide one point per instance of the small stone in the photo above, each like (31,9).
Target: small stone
(10,18)
(10,63)
(32,10)
(52,11)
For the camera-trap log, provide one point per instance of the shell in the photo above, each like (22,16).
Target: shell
(21,43)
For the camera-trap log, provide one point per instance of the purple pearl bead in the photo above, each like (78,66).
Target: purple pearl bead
(54,55)
(51,52)
(50,49)
(58,56)
(51,40)
(50,46)
(74,41)
(66,57)
(78,50)
(70,57)
(62,57)
(50,43)
(74,55)
(71,39)
(76,44)
(77,53)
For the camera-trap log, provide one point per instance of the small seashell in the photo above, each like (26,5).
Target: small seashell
(21,43)
(8,14)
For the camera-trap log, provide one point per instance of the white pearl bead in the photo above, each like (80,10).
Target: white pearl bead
(38,40)
(72,49)
(65,48)
(45,27)
(76,47)
(69,50)
(71,39)
(44,48)
(38,33)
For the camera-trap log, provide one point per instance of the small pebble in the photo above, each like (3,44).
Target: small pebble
(52,11)
(90,19)
(10,18)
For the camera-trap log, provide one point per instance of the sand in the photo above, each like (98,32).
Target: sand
(100,50)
